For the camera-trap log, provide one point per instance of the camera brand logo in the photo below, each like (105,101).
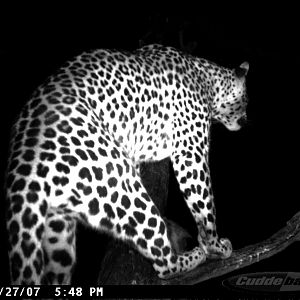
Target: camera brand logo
(265,282)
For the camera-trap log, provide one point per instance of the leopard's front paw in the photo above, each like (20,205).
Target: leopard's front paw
(218,248)
(227,246)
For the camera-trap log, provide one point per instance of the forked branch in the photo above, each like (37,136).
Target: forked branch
(123,265)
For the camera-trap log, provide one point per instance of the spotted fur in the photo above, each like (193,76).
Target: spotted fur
(77,145)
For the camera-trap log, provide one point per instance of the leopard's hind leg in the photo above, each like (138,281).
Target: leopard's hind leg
(113,199)
(26,228)
(59,247)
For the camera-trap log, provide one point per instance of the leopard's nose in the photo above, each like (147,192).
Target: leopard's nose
(242,121)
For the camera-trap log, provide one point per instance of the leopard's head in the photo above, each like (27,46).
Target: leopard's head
(230,103)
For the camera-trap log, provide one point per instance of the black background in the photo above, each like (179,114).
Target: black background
(254,170)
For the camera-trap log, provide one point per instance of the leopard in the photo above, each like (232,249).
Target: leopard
(77,144)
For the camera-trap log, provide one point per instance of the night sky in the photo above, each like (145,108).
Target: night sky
(253,170)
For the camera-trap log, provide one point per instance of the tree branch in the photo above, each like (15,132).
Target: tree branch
(243,257)
(124,265)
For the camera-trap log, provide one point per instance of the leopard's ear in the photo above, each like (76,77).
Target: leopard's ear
(242,70)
